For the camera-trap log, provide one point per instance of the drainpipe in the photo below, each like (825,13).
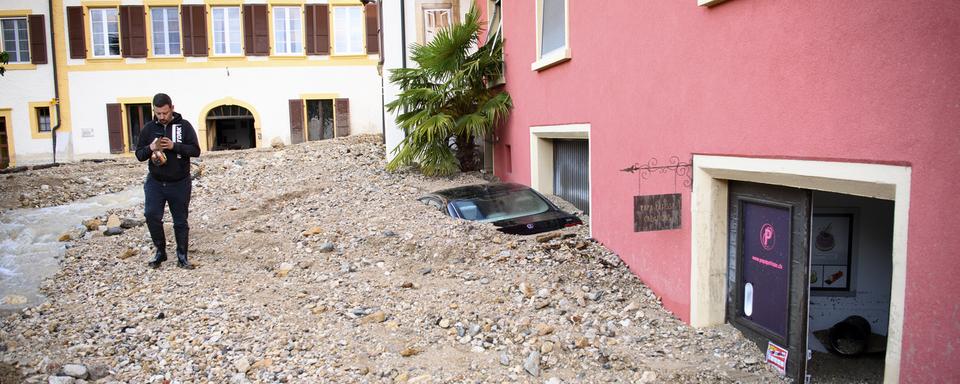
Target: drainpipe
(56,84)
(403,31)
(383,96)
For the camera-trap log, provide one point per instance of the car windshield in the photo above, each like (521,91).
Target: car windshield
(504,206)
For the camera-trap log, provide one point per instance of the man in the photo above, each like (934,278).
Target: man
(169,142)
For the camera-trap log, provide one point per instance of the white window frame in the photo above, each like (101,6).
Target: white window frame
(558,55)
(99,16)
(283,22)
(426,11)
(353,27)
(164,48)
(226,41)
(23,46)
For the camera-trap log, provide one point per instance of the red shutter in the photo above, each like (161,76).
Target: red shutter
(296,121)
(38,39)
(256,31)
(133,31)
(342,116)
(317,29)
(76,33)
(193,20)
(115,128)
(373,29)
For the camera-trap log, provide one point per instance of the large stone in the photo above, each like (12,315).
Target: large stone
(127,223)
(93,224)
(547,237)
(15,300)
(409,351)
(312,231)
(113,221)
(113,231)
(61,380)
(277,142)
(265,363)
(543,329)
(98,371)
(648,377)
(376,317)
(532,364)
(327,247)
(242,365)
(283,269)
(128,253)
(78,371)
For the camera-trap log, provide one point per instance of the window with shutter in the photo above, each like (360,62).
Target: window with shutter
(348,30)
(287,31)
(317,25)
(76,33)
(373,28)
(226,31)
(15,39)
(256,31)
(194,26)
(342,117)
(38,39)
(105,32)
(165,26)
(133,31)
(553,40)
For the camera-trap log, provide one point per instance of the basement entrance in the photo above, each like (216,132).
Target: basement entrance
(230,127)
(4,144)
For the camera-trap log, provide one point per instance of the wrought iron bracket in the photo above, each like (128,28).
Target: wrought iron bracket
(682,171)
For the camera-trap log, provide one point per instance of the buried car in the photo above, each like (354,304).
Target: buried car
(514,208)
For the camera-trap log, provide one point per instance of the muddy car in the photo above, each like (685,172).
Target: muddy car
(513,208)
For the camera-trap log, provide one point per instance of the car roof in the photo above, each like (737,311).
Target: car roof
(479,190)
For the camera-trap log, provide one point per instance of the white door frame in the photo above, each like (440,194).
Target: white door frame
(709,244)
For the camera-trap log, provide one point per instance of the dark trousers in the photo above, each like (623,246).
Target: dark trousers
(156,195)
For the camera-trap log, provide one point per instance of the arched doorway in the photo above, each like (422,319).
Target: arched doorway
(230,127)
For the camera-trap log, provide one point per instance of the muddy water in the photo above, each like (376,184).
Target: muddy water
(29,250)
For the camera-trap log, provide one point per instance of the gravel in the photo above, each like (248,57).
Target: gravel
(316,265)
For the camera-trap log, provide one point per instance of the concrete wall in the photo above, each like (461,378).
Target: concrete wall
(815,79)
(24,84)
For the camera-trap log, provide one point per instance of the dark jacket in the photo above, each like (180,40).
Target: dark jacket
(185,146)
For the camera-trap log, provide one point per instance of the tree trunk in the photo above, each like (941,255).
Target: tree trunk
(467,154)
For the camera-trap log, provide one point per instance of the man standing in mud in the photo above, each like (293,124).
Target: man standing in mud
(168,142)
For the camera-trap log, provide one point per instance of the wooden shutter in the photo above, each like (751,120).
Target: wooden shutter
(76,33)
(342,116)
(296,121)
(38,39)
(133,31)
(256,31)
(115,128)
(193,20)
(373,29)
(317,29)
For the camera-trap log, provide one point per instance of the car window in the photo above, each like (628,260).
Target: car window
(501,207)
(433,202)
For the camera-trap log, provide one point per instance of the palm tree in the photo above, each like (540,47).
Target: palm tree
(445,103)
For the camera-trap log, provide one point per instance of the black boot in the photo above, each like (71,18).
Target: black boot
(158,258)
(182,235)
(182,261)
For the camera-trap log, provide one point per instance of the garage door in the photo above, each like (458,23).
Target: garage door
(571,172)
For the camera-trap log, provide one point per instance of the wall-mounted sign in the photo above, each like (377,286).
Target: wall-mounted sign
(777,357)
(765,266)
(831,253)
(656,212)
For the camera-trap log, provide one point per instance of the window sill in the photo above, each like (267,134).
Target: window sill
(106,59)
(166,58)
(553,59)
(281,56)
(227,58)
(41,135)
(350,55)
(20,66)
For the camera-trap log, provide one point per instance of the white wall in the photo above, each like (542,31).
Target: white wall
(872,266)
(266,89)
(20,87)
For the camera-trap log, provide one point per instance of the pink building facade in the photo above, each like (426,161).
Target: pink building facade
(853,106)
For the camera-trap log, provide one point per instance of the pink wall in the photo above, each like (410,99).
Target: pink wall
(877,81)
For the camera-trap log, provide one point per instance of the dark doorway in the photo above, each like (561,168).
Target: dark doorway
(230,127)
(571,172)
(137,116)
(769,232)
(4,144)
(319,120)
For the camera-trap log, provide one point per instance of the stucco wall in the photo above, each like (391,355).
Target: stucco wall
(820,79)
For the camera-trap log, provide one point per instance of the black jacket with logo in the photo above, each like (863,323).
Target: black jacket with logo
(185,146)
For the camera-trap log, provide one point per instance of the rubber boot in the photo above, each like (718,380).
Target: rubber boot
(182,243)
(158,258)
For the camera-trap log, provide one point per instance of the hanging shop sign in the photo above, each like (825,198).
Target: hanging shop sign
(656,212)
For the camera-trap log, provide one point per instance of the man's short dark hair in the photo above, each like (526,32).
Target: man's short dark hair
(161,99)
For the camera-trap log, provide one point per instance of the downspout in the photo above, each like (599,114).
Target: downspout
(56,84)
(383,96)
(403,31)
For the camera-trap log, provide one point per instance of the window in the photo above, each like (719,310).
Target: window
(433,21)
(43,119)
(166,31)
(105,29)
(552,34)
(286,30)
(348,30)
(15,41)
(226,31)
(138,115)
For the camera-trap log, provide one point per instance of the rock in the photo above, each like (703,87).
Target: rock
(242,365)
(61,380)
(15,300)
(98,371)
(128,253)
(504,359)
(546,347)
(474,329)
(283,269)
(581,342)
(751,360)
(76,371)
(594,296)
(265,363)
(93,224)
(633,306)
(648,377)
(526,290)
(127,223)
(113,221)
(554,380)
(421,379)
(44,187)
(547,237)
(532,364)
(312,231)
(327,247)
(237,378)
(113,231)
(444,323)
(376,317)
(406,285)
(409,351)
(277,143)
(543,329)
(389,233)
(66,236)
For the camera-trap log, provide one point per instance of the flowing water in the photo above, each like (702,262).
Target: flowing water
(29,246)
